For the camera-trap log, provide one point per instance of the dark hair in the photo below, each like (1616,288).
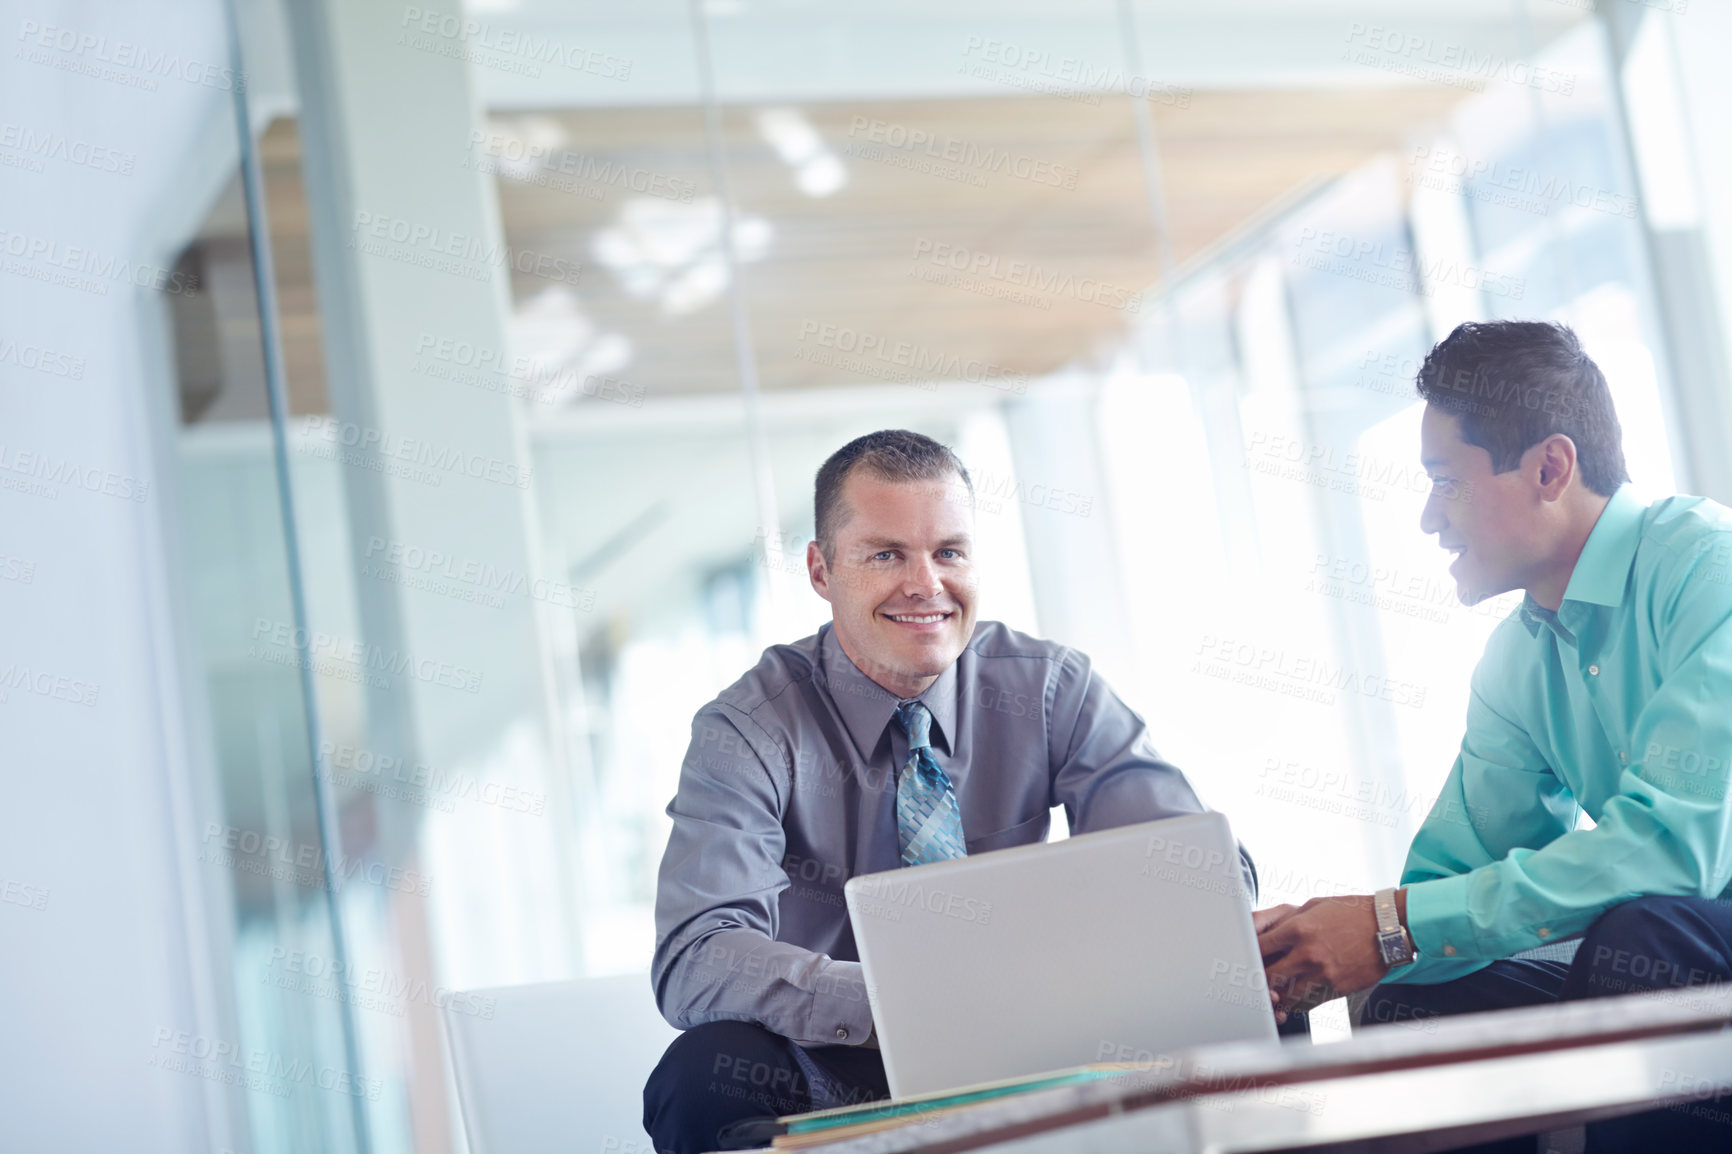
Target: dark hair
(1512,384)
(889,455)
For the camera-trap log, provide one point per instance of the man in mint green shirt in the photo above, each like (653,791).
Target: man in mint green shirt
(1608,693)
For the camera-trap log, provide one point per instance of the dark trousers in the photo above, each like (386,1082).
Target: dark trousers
(1646,944)
(719,1083)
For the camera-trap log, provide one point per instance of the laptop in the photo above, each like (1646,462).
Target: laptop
(1116,946)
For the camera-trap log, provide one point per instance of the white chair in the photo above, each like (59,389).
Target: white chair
(559,1066)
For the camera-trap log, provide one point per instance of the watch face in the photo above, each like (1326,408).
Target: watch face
(1393,949)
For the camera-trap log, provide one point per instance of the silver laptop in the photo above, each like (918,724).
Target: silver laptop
(1108,947)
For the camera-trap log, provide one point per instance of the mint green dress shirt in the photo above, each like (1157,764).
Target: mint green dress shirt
(1618,706)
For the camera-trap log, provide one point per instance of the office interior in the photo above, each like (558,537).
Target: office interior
(408,416)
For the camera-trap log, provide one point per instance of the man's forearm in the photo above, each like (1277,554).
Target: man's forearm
(742,975)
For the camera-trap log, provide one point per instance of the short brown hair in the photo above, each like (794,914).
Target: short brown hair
(889,455)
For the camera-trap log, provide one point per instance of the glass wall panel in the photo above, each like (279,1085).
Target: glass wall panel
(958,243)
(647,492)
(295,989)
(1401,174)
(528,509)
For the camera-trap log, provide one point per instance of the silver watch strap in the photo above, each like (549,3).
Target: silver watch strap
(1383,905)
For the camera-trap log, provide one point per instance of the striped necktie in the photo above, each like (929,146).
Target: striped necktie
(928,820)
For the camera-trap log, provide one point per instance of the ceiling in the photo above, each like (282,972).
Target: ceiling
(1056,184)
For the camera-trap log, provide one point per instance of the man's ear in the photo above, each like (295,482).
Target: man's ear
(818,570)
(1556,457)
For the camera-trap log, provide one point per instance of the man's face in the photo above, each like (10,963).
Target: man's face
(1492,521)
(902,586)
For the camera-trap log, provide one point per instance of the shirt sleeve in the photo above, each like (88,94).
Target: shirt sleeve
(717,957)
(1107,772)
(1500,797)
(1664,832)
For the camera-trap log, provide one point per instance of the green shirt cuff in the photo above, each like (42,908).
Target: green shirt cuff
(1437,918)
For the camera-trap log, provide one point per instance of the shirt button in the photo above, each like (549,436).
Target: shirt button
(1449,951)
(1543,932)
(841,1031)
(1622,756)
(1594,670)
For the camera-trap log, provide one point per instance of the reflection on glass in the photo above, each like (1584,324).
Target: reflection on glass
(289,979)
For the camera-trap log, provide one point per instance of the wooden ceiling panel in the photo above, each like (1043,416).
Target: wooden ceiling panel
(849,258)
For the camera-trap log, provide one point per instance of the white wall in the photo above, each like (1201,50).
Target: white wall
(101,816)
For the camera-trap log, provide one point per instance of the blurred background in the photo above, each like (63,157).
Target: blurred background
(408,418)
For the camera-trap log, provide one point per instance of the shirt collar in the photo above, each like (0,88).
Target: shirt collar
(1602,572)
(1536,616)
(1532,614)
(866,706)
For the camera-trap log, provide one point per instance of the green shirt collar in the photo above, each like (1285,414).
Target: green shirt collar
(1602,572)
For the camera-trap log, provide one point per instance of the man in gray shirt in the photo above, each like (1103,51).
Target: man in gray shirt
(900,733)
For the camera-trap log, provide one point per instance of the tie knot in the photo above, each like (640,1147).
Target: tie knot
(916,721)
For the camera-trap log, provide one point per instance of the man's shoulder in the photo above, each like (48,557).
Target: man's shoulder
(1688,529)
(994,639)
(780,669)
(1511,655)
(997,650)
(1684,555)
(1509,641)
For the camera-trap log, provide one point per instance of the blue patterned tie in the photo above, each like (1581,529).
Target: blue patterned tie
(928,820)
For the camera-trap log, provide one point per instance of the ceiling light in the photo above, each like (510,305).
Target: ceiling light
(817,170)
(671,252)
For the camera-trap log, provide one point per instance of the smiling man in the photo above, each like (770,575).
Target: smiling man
(1607,694)
(903,732)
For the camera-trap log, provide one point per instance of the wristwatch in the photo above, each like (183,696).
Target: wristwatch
(1393,941)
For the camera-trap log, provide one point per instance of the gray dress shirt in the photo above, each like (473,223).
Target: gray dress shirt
(789,789)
